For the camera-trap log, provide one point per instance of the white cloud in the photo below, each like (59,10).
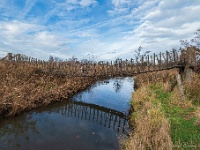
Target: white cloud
(28,6)
(165,23)
(15,27)
(30,39)
(74,4)
(156,25)
(121,3)
(120,7)
(86,3)
(161,24)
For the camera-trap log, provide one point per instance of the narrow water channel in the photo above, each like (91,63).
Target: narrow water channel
(91,120)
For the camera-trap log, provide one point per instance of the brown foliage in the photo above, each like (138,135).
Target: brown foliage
(192,89)
(167,77)
(24,87)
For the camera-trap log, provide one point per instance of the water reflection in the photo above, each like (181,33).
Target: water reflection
(104,116)
(86,121)
(14,128)
(118,85)
(115,94)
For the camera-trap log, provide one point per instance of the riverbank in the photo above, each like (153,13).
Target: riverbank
(162,119)
(93,119)
(25,87)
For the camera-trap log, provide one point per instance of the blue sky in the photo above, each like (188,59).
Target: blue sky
(104,29)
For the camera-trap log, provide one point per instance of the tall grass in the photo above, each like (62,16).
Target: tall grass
(24,87)
(192,89)
(162,119)
(151,126)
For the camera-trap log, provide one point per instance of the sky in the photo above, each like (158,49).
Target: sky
(99,29)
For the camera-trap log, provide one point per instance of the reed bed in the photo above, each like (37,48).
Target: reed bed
(24,87)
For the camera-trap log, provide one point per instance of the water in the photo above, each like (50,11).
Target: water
(93,119)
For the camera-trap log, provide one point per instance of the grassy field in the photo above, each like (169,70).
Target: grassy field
(162,119)
(24,87)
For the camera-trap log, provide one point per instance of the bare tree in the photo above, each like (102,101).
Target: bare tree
(185,43)
(193,42)
(54,59)
(196,39)
(51,59)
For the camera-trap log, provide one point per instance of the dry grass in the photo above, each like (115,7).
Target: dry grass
(167,77)
(169,83)
(197,114)
(192,89)
(151,127)
(152,105)
(25,87)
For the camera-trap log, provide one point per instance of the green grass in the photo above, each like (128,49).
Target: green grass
(184,133)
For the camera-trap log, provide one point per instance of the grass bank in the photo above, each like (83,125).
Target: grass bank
(24,87)
(161,119)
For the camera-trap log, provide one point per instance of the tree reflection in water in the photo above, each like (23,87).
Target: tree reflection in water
(117,85)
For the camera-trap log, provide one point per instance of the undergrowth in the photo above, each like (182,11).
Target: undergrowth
(24,87)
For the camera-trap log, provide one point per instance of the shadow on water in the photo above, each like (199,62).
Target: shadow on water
(90,120)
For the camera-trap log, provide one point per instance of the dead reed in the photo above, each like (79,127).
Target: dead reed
(162,119)
(192,89)
(24,87)
(167,77)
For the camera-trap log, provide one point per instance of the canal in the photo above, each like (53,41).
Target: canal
(92,119)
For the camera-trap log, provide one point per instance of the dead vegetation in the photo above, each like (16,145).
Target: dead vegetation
(168,78)
(162,119)
(192,89)
(151,126)
(24,87)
